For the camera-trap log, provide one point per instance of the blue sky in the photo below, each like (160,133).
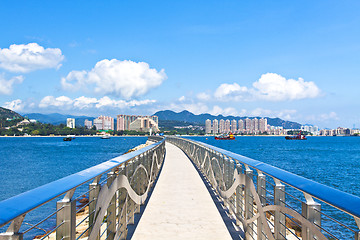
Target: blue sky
(298,60)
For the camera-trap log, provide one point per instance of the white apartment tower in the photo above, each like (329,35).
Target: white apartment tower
(215,126)
(222,126)
(263,125)
(227,126)
(208,126)
(233,126)
(70,122)
(241,125)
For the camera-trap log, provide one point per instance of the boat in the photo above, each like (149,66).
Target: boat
(225,137)
(105,137)
(69,137)
(296,137)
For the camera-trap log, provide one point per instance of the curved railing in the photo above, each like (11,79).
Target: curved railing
(118,187)
(271,203)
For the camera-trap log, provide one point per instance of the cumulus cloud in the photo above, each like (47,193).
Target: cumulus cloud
(274,87)
(120,78)
(203,96)
(270,87)
(30,57)
(6,86)
(182,98)
(83,102)
(286,114)
(15,105)
(226,92)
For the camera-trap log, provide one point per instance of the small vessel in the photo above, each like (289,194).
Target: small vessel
(296,137)
(225,137)
(69,137)
(105,137)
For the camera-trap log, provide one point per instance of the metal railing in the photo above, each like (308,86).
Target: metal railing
(271,203)
(117,189)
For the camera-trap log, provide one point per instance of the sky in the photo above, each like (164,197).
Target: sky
(297,60)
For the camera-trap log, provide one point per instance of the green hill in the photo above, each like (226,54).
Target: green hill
(7,113)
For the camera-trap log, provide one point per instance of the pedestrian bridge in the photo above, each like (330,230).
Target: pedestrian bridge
(178,188)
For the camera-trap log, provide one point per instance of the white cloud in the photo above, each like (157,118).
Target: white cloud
(203,96)
(15,105)
(30,57)
(120,78)
(182,98)
(286,114)
(274,87)
(6,86)
(216,110)
(270,87)
(83,102)
(231,92)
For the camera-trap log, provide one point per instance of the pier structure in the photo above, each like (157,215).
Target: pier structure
(177,188)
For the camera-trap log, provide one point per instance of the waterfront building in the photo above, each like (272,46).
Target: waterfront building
(208,126)
(233,126)
(70,122)
(256,125)
(263,125)
(227,126)
(240,126)
(222,126)
(104,123)
(215,126)
(127,122)
(247,125)
(88,124)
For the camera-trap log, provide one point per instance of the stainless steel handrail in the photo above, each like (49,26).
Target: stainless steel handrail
(27,201)
(344,201)
(260,206)
(133,173)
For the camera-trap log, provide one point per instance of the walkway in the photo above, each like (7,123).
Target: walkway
(180,206)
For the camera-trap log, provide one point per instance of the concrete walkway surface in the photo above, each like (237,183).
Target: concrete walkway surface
(180,206)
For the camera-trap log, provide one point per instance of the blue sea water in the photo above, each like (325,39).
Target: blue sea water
(333,161)
(29,162)
(26,163)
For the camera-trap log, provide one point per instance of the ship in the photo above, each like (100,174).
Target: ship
(225,137)
(296,137)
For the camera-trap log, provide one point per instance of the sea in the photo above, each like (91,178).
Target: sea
(29,162)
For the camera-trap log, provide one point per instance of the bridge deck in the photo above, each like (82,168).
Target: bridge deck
(180,206)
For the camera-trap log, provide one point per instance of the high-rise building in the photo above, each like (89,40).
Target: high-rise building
(104,123)
(233,126)
(248,125)
(222,126)
(131,122)
(88,124)
(227,126)
(241,125)
(256,125)
(263,125)
(70,122)
(215,126)
(208,126)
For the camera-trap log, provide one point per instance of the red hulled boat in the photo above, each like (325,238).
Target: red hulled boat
(225,137)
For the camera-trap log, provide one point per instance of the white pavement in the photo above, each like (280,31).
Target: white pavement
(180,206)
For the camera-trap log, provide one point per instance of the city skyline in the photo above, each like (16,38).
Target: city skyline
(294,60)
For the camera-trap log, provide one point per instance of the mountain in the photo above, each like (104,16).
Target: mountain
(7,113)
(56,118)
(188,117)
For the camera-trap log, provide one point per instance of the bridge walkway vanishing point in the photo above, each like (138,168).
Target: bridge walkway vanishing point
(180,206)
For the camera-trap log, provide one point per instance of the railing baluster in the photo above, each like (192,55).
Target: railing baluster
(67,217)
(249,207)
(111,211)
(239,198)
(357,233)
(311,210)
(279,218)
(12,233)
(261,185)
(93,195)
